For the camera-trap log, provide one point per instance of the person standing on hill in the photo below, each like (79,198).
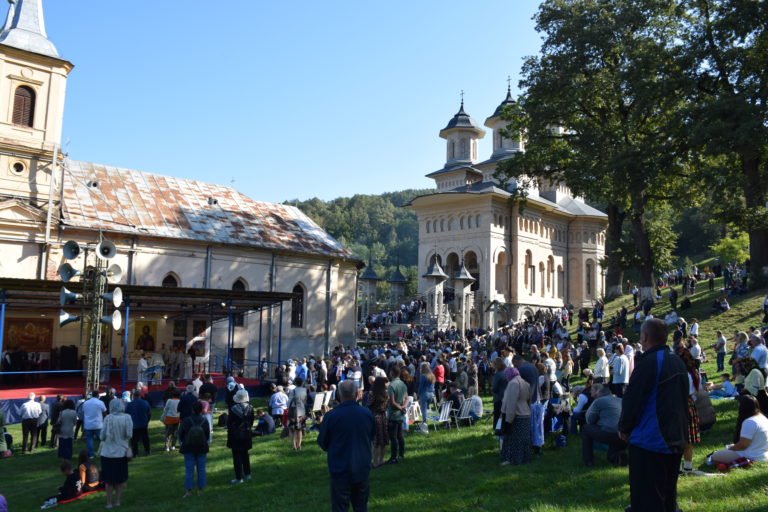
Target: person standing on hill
(653,422)
(346,434)
(398,395)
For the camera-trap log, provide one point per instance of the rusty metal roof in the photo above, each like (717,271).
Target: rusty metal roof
(133,202)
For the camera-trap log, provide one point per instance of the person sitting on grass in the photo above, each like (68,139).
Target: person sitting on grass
(724,390)
(69,490)
(90,480)
(266,424)
(750,438)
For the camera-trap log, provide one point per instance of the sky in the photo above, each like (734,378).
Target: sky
(284,100)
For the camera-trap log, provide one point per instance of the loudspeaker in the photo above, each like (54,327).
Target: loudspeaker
(67,272)
(72,250)
(65,318)
(66,296)
(115,320)
(115,297)
(106,250)
(113,273)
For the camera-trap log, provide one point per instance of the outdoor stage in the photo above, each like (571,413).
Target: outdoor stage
(12,397)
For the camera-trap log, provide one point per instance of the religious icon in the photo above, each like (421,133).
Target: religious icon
(180,328)
(146,333)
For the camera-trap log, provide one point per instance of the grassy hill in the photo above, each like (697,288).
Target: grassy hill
(449,471)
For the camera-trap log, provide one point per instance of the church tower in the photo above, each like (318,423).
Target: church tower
(33,80)
(502,146)
(461,135)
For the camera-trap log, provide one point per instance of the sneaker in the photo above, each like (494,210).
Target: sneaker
(505,463)
(167,449)
(236,481)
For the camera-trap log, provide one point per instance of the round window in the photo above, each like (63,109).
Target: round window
(18,168)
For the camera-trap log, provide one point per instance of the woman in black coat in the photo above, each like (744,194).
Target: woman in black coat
(239,425)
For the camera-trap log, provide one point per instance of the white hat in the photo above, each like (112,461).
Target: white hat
(241,396)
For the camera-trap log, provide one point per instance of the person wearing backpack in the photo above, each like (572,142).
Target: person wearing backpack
(239,424)
(194,433)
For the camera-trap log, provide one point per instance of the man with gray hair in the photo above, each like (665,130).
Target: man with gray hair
(602,426)
(346,434)
(30,413)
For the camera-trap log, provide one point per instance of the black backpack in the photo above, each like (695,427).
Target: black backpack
(196,441)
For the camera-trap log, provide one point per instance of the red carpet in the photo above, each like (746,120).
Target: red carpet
(72,386)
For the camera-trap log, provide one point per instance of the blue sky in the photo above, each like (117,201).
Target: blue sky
(283,100)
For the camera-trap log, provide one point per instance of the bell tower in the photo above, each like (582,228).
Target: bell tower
(33,81)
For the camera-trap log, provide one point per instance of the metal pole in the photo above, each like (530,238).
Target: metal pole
(261,318)
(230,340)
(125,342)
(280,335)
(210,342)
(2,323)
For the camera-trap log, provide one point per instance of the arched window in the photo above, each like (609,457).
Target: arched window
(297,307)
(461,222)
(24,106)
(589,268)
(170,281)
(452,152)
(428,227)
(452,224)
(478,220)
(238,317)
(434,226)
(470,222)
(442,225)
(239,285)
(463,149)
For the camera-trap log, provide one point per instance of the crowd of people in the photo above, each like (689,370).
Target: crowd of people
(647,402)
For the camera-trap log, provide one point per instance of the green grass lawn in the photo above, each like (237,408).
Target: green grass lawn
(444,471)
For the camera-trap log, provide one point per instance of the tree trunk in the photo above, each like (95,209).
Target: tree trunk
(755,196)
(615,276)
(643,246)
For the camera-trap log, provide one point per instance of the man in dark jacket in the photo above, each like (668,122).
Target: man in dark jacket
(653,422)
(346,434)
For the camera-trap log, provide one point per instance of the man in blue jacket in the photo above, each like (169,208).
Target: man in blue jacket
(346,434)
(654,422)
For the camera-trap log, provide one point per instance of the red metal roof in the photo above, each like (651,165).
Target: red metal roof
(135,202)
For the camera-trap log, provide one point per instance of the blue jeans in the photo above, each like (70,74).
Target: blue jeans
(192,460)
(90,435)
(720,361)
(424,404)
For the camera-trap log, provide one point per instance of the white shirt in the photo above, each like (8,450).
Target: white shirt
(581,401)
(694,329)
(756,429)
(620,369)
(695,350)
(93,414)
(602,369)
(476,406)
(31,410)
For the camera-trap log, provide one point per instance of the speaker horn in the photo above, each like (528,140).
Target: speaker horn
(72,250)
(65,318)
(113,273)
(106,250)
(115,320)
(67,272)
(66,296)
(115,297)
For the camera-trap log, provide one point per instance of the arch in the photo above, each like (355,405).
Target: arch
(432,257)
(589,279)
(575,289)
(502,274)
(452,150)
(551,276)
(434,226)
(24,106)
(428,227)
(452,225)
(560,282)
(464,148)
(442,225)
(478,220)
(542,276)
(297,306)
(528,272)
(240,285)
(171,280)
(461,222)
(470,222)
(520,224)
(451,264)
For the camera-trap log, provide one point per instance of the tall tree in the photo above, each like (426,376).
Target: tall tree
(727,42)
(610,76)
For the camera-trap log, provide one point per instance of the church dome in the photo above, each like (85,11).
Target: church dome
(461,120)
(509,100)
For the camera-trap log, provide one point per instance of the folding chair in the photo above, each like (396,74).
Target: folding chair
(444,417)
(463,413)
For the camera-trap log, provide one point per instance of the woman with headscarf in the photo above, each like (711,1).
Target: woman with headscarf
(754,380)
(516,420)
(239,425)
(115,450)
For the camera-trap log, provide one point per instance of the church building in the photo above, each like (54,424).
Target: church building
(484,260)
(170,232)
